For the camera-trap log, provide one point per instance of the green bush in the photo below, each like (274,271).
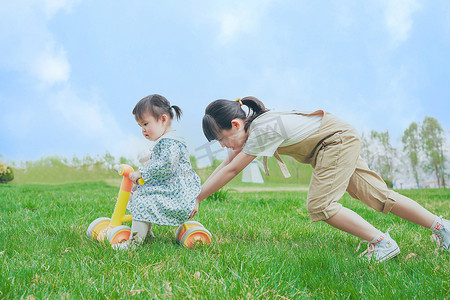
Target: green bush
(220,195)
(389,183)
(6,173)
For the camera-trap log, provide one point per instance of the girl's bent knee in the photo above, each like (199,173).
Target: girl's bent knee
(324,214)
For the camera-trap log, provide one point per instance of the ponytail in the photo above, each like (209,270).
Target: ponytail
(178,111)
(220,113)
(157,106)
(257,108)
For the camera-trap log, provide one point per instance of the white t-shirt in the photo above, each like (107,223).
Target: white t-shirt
(279,129)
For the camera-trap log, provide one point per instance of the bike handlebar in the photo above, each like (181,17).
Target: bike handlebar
(126,170)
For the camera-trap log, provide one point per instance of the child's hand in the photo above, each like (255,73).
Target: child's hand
(195,210)
(135,176)
(144,159)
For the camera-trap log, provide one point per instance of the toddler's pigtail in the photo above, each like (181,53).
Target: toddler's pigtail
(257,108)
(178,111)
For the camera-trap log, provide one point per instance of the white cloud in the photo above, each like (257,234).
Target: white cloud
(241,18)
(32,51)
(229,26)
(91,120)
(30,47)
(51,7)
(50,66)
(398,17)
(87,117)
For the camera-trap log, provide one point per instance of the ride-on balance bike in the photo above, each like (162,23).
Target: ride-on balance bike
(188,234)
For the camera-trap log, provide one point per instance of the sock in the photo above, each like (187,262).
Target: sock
(141,229)
(378,238)
(437,224)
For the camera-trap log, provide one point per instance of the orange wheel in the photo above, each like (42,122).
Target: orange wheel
(196,236)
(181,229)
(119,234)
(97,226)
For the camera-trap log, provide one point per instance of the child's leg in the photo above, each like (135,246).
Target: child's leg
(138,233)
(370,188)
(139,230)
(150,232)
(350,222)
(381,246)
(412,211)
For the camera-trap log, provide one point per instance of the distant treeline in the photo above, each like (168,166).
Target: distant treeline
(422,162)
(422,158)
(57,169)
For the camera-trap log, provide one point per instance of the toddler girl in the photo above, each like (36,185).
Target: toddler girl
(332,148)
(171,184)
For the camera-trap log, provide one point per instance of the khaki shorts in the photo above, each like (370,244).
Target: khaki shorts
(338,169)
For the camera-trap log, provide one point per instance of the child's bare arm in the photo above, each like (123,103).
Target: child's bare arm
(144,159)
(222,177)
(223,164)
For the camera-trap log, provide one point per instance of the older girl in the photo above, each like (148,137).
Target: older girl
(332,148)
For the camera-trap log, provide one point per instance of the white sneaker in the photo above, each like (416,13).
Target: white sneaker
(381,251)
(130,244)
(441,234)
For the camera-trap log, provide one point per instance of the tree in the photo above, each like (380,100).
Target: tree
(124,160)
(411,146)
(109,160)
(76,161)
(366,152)
(432,139)
(87,160)
(383,161)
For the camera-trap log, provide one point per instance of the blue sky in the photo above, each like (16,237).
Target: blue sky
(72,71)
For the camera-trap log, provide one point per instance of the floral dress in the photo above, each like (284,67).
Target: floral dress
(171,184)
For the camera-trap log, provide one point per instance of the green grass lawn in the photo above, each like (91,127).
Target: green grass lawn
(264,247)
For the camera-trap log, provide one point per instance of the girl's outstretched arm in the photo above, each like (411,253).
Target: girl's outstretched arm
(222,177)
(229,158)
